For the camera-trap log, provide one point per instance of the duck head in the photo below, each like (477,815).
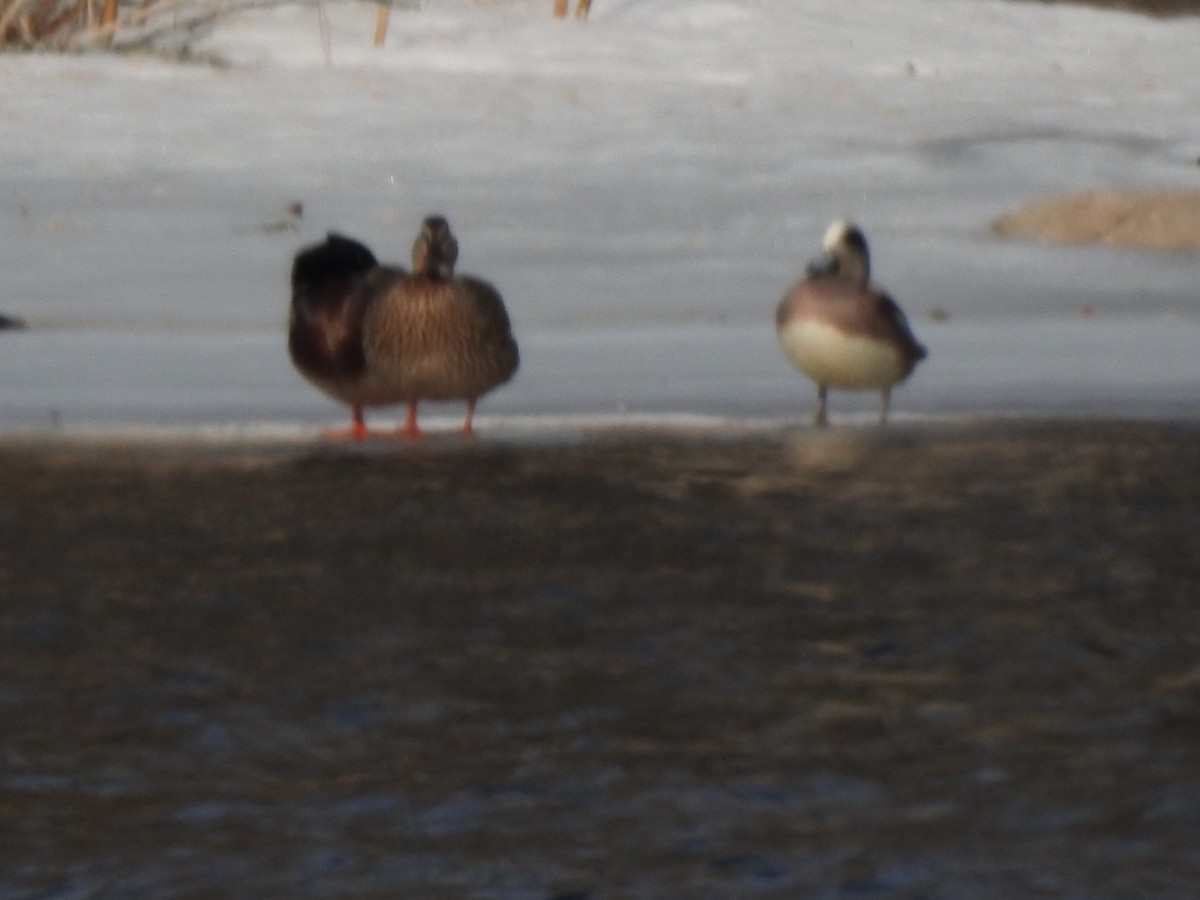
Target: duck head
(337,259)
(435,250)
(844,254)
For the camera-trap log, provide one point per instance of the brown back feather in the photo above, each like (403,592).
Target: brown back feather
(439,338)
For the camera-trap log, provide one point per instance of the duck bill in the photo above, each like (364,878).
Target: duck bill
(825,264)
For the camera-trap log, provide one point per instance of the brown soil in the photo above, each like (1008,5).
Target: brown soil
(937,661)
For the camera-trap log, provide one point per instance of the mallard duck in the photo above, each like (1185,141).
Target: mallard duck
(325,338)
(435,335)
(428,335)
(839,330)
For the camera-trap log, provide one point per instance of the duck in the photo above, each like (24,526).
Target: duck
(841,331)
(325,339)
(400,336)
(435,335)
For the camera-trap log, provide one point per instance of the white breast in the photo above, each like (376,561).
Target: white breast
(831,357)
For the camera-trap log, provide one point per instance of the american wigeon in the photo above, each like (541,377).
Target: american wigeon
(839,330)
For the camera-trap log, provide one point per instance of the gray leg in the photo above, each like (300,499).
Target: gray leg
(887,401)
(821,419)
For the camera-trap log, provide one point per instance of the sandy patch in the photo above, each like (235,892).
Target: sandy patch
(1158,219)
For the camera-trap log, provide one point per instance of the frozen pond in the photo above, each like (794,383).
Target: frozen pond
(642,188)
(113,381)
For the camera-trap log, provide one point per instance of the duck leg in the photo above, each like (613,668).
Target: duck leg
(355,432)
(409,429)
(887,401)
(467,428)
(821,419)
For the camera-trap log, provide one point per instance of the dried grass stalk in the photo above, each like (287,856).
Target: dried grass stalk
(8,18)
(74,24)
(33,23)
(383,11)
(581,8)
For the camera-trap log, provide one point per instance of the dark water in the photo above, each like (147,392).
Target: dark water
(933,665)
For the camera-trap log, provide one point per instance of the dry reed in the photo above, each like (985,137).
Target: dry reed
(82,24)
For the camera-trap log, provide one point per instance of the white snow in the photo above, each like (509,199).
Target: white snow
(642,187)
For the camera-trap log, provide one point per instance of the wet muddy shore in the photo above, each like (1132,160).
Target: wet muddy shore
(931,661)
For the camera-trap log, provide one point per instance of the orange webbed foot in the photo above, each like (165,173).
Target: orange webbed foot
(409,429)
(356,431)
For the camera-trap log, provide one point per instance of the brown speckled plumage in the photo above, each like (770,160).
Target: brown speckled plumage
(405,338)
(434,339)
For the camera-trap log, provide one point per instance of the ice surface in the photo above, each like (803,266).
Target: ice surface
(642,188)
(707,374)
